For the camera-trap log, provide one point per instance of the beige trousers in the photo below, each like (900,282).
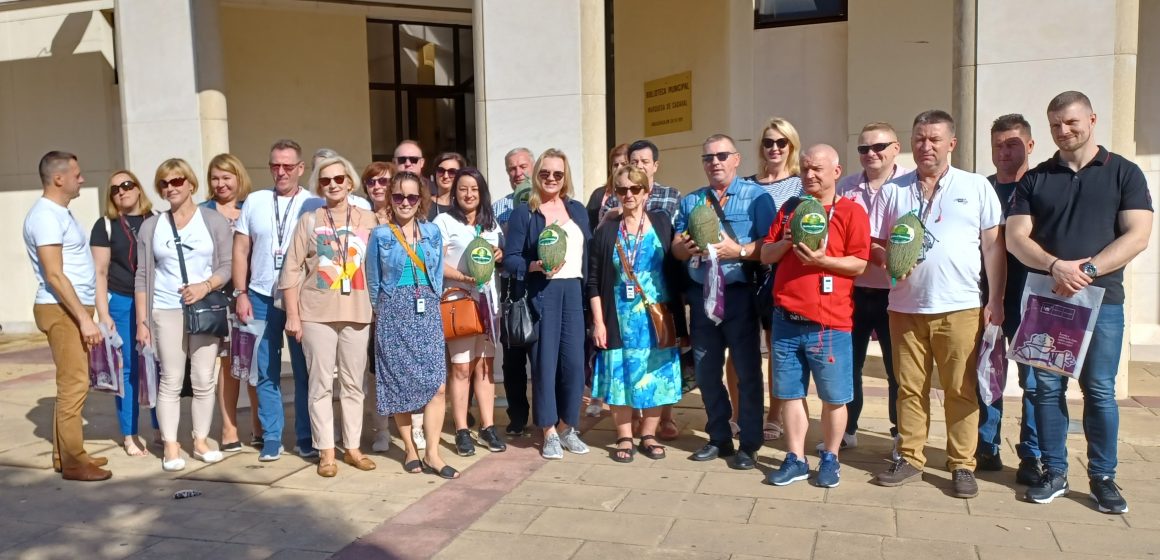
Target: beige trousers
(327,346)
(173,346)
(71,357)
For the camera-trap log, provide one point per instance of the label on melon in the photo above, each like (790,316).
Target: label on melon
(809,224)
(553,244)
(905,247)
(480,260)
(813,223)
(902,233)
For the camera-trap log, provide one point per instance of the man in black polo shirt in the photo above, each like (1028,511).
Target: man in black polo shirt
(1080,217)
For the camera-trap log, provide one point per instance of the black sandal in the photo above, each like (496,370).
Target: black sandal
(655,451)
(448,472)
(413,467)
(621,455)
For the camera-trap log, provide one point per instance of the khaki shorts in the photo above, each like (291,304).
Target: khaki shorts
(464,350)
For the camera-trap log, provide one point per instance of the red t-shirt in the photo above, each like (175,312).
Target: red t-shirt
(798,288)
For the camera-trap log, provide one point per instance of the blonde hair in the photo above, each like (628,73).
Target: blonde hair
(635,175)
(347,169)
(144,205)
(565,191)
(170,165)
(232,165)
(786,129)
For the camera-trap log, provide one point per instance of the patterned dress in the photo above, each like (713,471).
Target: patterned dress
(408,367)
(639,374)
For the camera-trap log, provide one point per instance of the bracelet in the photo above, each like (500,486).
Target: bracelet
(1051,268)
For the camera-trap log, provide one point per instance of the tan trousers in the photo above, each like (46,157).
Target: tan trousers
(948,340)
(71,357)
(327,346)
(173,345)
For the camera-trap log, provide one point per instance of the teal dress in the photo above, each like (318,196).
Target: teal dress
(639,374)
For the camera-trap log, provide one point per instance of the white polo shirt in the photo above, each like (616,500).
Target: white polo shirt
(49,223)
(947,279)
(855,187)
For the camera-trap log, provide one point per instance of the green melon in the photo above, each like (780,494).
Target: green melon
(809,224)
(480,260)
(553,244)
(704,226)
(905,245)
(523,191)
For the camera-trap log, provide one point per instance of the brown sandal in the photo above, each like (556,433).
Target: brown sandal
(620,454)
(654,451)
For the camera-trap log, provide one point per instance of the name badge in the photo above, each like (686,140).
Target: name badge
(345,286)
(827,284)
(421,306)
(629,291)
(279,258)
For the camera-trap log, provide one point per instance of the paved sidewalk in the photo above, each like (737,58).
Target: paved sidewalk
(514,504)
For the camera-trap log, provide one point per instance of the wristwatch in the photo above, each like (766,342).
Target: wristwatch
(743,252)
(237,293)
(1089,269)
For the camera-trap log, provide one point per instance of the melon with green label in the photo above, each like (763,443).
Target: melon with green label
(809,224)
(553,244)
(480,260)
(704,226)
(523,191)
(905,245)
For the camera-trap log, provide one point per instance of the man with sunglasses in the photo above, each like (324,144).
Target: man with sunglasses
(877,147)
(261,241)
(409,157)
(645,155)
(731,318)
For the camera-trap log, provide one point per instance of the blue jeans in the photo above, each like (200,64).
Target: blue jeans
(1101,414)
(270,412)
(124,314)
(740,332)
(800,349)
(991,418)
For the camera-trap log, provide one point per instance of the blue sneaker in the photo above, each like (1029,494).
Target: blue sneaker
(270,453)
(792,470)
(829,471)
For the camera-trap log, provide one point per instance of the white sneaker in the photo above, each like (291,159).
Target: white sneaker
(849,441)
(417,432)
(570,440)
(382,442)
(173,465)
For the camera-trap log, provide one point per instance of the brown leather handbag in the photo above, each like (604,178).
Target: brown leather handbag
(658,313)
(460,314)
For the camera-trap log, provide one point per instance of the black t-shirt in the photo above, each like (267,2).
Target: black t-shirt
(1076,215)
(1016,272)
(122,249)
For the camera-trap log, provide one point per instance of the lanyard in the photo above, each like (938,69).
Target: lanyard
(132,235)
(924,214)
(281,221)
(344,243)
(630,258)
(830,222)
(416,262)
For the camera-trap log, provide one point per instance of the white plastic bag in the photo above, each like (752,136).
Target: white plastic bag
(106,363)
(148,376)
(1055,331)
(992,366)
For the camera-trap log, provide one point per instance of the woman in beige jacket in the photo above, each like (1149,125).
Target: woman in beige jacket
(328,308)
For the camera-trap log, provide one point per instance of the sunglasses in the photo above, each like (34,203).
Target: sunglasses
(446,170)
(407,159)
(636,189)
(175,183)
(398,198)
(865,149)
(555,175)
(768,143)
(325,181)
(284,167)
(721,156)
(123,186)
(378,182)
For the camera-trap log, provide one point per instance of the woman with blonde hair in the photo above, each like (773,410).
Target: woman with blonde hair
(557,295)
(328,309)
(182,256)
(229,185)
(114,246)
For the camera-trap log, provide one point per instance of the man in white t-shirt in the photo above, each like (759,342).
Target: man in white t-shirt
(261,242)
(66,286)
(934,310)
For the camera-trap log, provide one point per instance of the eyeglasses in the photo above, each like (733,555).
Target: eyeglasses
(114,190)
(284,167)
(555,175)
(768,143)
(378,182)
(398,198)
(325,181)
(636,189)
(407,159)
(175,183)
(721,156)
(865,149)
(446,170)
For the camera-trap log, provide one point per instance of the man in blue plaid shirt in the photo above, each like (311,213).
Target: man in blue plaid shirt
(645,155)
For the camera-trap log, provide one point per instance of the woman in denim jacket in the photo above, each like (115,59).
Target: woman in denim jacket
(405,278)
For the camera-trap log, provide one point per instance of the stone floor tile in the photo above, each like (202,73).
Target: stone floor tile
(603,526)
(593,550)
(990,552)
(601,498)
(395,485)
(915,496)
(316,532)
(507,518)
(829,517)
(1142,515)
(453,507)
(292,501)
(473,544)
(782,542)
(384,543)
(1078,538)
(910,549)
(1137,470)
(245,468)
(1075,508)
(970,529)
(1148,452)
(72,542)
(560,471)
(685,505)
(291,554)
(187,549)
(750,484)
(645,479)
(16,532)
(37,453)
(843,546)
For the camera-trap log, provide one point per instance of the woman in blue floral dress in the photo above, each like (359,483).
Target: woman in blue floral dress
(632,371)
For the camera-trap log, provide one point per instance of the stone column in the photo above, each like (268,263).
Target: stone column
(540,86)
(211,80)
(963,88)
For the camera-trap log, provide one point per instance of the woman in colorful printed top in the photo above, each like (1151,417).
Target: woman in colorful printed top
(470,216)
(229,185)
(630,267)
(405,279)
(114,246)
(328,310)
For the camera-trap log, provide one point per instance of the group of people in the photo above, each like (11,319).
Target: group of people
(616,288)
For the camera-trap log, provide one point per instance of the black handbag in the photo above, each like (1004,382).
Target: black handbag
(210,314)
(518,322)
